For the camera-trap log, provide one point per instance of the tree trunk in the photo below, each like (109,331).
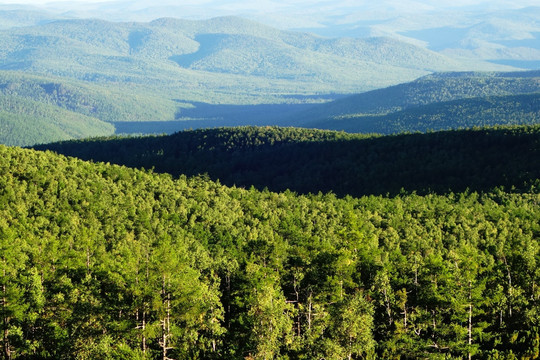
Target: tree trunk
(166,322)
(309,312)
(228,315)
(470,318)
(388,308)
(143,329)
(5,319)
(509,276)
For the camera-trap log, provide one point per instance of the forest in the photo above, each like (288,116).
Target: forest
(408,228)
(106,261)
(312,161)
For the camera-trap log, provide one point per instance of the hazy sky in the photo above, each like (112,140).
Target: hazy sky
(286,14)
(295,3)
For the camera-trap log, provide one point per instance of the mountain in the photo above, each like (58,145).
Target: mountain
(453,91)
(500,32)
(107,102)
(27,122)
(171,69)
(222,57)
(492,33)
(40,109)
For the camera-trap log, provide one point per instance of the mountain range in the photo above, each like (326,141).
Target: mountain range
(215,72)
(216,54)
(498,31)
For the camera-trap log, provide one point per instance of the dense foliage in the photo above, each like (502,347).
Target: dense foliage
(347,164)
(102,261)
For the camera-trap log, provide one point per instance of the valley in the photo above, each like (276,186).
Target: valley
(219,71)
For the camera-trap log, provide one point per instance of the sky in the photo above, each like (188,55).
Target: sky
(294,3)
(284,14)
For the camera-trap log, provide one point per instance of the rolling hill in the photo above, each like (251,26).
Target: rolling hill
(28,122)
(456,114)
(437,101)
(502,32)
(40,109)
(226,55)
(171,69)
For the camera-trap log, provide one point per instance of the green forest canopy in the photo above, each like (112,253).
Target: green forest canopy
(106,261)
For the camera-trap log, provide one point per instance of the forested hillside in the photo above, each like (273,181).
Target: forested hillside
(266,242)
(456,114)
(178,70)
(217,60)
(42,109)
(102,261)
(435,102)
(430,89)
(346,164)
(27,122)
(106,102)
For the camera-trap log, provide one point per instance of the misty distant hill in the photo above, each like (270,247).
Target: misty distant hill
(184,70)
(226,55)
(496,31)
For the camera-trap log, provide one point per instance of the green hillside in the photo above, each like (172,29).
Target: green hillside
(102,261)
(439,87)
(465,113)
(41,109)
(107,102)
(29,122)
(347,164)
(181,70)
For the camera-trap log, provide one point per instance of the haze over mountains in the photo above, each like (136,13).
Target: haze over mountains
(170,49)
(499,31)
